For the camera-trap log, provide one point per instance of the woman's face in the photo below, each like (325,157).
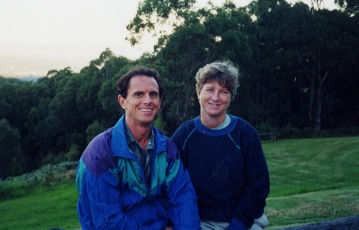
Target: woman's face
(214,99)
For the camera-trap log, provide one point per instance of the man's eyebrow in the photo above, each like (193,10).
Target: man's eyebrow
(138,91)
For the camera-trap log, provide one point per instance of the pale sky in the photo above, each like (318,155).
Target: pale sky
(40,35)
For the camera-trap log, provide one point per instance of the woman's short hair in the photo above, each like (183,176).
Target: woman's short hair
(223,72)
(123,83)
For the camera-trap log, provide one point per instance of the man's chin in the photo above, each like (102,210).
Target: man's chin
(148,121)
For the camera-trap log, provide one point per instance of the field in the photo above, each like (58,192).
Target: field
(311,180)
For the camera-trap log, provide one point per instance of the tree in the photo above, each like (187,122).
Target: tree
(301,50)
(10,150)
(152,13)
(350,6)
(199,37)
(105,56)
(184,53)
(64,116)
(93,130)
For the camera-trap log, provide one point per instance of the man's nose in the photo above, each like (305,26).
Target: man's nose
(147,99)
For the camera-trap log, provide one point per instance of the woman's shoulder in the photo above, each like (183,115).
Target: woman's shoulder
(187,125)
(242,125)
(184,130)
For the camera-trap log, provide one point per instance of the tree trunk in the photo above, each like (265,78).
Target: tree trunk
(319,104)
(319,101)
(257,110)
(311,102)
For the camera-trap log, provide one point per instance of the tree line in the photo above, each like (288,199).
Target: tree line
(299,68)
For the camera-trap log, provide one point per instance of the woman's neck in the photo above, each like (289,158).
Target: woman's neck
(212,122)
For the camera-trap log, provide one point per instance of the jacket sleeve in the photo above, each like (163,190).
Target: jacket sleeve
(181,204)
(98,206)
(252,200)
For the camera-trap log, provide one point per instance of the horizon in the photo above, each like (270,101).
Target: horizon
(40,35)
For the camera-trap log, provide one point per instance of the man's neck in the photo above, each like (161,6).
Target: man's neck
(140,133)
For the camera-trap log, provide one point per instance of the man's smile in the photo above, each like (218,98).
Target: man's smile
(146,110)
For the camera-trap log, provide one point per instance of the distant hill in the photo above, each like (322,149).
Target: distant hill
(29,78)
(4,80)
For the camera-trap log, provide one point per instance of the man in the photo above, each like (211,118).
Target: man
(131,176)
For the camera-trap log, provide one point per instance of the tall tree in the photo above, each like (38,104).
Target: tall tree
(10,150)
(199,37)
(309,45)
(350,6)
(153,13)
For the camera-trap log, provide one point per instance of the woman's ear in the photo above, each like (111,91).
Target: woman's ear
(198,92)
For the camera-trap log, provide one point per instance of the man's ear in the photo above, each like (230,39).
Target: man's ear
(121,100)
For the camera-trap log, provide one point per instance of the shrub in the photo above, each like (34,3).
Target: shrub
(42,179)
(74,153)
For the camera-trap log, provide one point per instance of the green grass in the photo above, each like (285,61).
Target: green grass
(312,207)
(312,180)
(307,165)
(54,208)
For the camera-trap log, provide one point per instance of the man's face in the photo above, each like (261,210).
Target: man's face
(142,102)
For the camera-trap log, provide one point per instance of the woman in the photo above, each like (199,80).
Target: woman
(224,156)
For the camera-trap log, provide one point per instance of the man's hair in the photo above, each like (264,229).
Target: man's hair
(124,81)
(223,72)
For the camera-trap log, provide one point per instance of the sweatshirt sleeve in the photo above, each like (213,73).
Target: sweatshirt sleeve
(181,205)
(252,200)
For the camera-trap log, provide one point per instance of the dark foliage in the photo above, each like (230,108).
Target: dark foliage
(299,75)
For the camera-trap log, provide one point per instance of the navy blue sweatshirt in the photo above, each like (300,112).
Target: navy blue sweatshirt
(228,170)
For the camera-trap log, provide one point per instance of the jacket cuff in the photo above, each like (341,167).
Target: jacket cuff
(237,225)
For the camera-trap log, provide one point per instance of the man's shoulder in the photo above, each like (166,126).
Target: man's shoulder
(164,143)
(101,140)
(98,156)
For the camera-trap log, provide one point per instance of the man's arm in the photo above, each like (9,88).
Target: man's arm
(99,207)
(181,205)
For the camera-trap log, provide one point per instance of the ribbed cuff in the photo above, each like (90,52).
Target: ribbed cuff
(236,225)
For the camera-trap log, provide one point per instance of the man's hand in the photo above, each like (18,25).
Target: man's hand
(168,228)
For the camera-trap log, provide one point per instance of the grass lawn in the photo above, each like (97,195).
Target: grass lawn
(45,209)
(312,207)
(311,180)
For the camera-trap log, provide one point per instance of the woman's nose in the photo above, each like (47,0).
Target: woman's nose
(215,96)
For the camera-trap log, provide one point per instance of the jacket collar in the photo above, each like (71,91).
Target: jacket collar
(119,145)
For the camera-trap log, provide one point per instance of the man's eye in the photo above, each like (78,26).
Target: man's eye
(138,94)
(153,94)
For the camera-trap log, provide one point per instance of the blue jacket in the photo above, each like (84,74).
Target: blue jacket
(113,193)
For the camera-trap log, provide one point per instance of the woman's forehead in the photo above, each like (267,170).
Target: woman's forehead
(214,81)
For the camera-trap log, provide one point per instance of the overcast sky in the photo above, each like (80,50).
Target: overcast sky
(40,35)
